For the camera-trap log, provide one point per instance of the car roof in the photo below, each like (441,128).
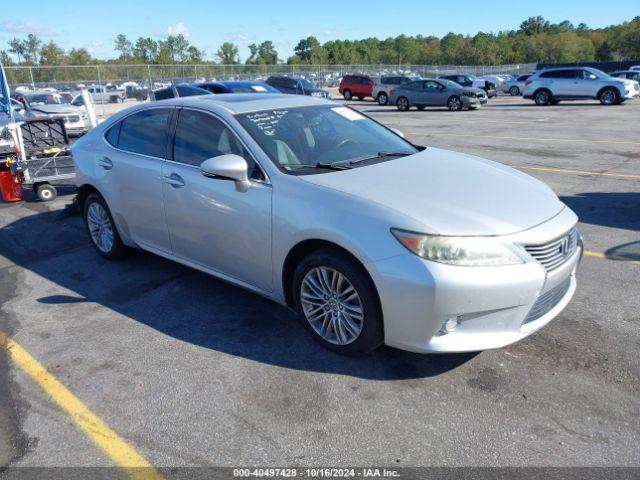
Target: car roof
(249,102)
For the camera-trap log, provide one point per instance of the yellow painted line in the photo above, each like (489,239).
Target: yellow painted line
(526,139)
(117,449)
(603,256)
(580,172)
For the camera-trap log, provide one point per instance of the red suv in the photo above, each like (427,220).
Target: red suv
(356,86)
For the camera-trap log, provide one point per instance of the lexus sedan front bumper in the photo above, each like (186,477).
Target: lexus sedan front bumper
(433,307)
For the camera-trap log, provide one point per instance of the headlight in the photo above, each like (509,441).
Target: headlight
(462,251)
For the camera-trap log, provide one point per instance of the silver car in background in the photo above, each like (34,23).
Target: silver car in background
(578,83)
(515,87)
(369,238)
(383,86)
(44,104)
(440,92)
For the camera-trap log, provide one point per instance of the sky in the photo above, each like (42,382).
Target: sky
(94,25)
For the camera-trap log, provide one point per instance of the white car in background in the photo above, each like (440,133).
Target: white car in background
(106,93)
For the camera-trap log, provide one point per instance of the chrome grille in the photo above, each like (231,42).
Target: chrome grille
(554,253)
(547,301)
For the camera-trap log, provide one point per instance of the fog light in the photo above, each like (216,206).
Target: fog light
(451,324)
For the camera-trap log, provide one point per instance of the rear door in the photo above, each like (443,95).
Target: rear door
(132,172)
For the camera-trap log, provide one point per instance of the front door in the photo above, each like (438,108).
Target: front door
(210,222)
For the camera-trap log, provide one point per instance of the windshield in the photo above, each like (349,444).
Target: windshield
(45,99)
(329,134)
(448,83)
(306,83)
(597,73)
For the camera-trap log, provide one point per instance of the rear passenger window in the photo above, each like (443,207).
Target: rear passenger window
(559,74)
(145,132)
(112,135)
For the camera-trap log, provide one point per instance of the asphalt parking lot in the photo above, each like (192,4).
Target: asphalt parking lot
(192,371)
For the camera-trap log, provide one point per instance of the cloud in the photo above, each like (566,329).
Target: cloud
(26,28)
(328,32)
(178,29)
(240,37)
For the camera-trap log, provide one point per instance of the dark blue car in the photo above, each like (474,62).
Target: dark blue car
(296,86)
(237,87)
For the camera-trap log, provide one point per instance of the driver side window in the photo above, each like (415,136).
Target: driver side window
(200,136)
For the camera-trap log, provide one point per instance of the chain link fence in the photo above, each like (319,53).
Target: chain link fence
(154,76)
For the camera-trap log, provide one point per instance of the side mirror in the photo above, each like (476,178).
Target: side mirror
(228,167)
(397,132)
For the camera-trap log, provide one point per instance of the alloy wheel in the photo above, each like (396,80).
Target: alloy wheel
(100,227)
(608,97)
(332,305)
(454,104)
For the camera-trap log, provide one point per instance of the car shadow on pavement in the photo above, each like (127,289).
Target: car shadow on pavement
(188,305)
(607,209)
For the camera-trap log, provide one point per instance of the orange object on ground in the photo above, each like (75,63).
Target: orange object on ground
(11,186)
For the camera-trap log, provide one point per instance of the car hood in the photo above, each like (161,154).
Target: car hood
(56,109)
(450,193)
(473,90)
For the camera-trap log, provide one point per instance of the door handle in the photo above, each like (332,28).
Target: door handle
(106,163)
(174,180)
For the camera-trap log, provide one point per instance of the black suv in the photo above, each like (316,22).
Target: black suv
(296,86)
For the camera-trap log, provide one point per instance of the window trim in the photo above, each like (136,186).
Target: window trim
(172,135)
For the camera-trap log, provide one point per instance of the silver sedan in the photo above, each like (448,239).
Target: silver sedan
(369,238)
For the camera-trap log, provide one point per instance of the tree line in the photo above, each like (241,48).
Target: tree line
(536,40)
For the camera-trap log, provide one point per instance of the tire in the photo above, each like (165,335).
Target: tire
(403,104)
(46,192)
(454,104)
(421,107)
(514,91)
(609,96)
(383,99)
(99,222)
(555,102)
(341,323)
(360,98)
(347,94)
(542,97)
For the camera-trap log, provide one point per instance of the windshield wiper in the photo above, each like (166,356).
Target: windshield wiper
(326,166)
(381,155)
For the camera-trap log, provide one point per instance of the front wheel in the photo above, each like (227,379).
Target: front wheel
(382,98)
(608,96)
(338,303)
(102,229)
(514,91)
(454,104)
(402,104)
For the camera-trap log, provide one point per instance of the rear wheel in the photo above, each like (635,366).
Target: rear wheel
(421,107)
(360,98)
(608,96)
(402,104)
(102,229)
(347,94)
(542,97)
(382,98)
(338,303)
(454,104)
(514,91)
